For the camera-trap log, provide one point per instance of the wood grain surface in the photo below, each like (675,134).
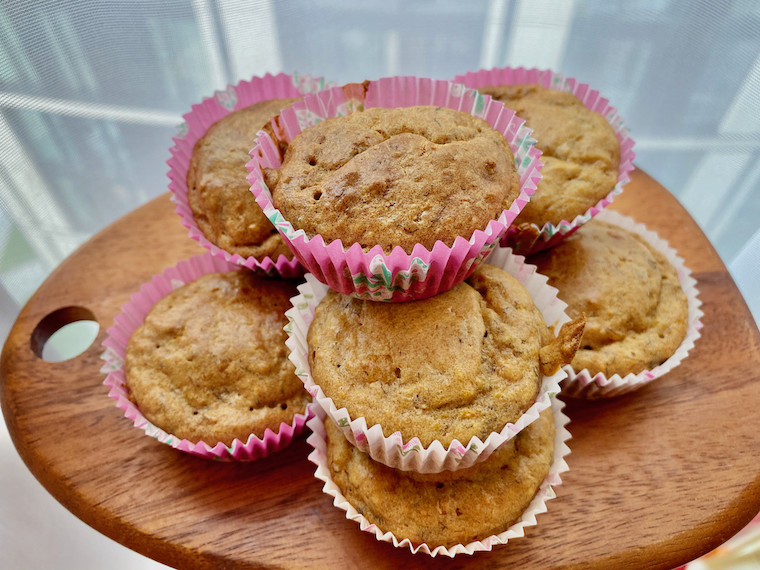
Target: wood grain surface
(657,477)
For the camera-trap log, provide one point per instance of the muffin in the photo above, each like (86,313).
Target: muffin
(396,177)
(636,311)
(209,361)
(459,365)
(452,507)
(219,194)
(581,152)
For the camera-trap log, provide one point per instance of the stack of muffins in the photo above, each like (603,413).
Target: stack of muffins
(441,428)
(436,423)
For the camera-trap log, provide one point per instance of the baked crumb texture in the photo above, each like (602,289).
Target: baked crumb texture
(396,177)
(636,311)
(458,365)
(452,507)
(581,152)
(210,363)
(219,193)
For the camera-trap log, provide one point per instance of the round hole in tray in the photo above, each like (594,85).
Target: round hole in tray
(64,334)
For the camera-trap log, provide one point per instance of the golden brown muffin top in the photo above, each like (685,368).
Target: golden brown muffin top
(218,191)
(636,312)
(210,362)
(396,177)
(581,153)
(452,507)
(460,364)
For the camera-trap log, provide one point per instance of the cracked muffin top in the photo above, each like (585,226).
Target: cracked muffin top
(636,311)
(453,507)
(396,177)
(218,191)
(461,364)
(210,362)
(581,152)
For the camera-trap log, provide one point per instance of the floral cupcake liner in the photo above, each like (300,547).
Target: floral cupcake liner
(195,125)
(537,506)
(583,384)
(411,455)
(538,239)
(399,276)
(131,317)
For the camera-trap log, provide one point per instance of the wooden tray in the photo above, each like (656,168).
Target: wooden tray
(656,478)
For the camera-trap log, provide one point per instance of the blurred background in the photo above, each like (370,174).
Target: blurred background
(91,93)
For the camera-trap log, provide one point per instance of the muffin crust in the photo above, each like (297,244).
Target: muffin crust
(210,362)
(451,507)
(636,311)
(219,193)
(396,177)
(461,364)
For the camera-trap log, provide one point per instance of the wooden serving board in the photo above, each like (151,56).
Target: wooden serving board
(657,477)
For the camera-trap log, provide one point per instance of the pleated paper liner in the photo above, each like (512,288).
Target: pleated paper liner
(411,455)
(131,317)
(534,239)
(202,116)
(582,384)
(399,276)
(537,506)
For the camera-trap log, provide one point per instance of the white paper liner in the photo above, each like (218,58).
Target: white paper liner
(131,317)
(411,455)
(582,384)
(537,506)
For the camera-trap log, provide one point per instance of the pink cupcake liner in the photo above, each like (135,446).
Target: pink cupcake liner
(195,125)
(537,506)
(583,384)
(411,455)
(549,235)
(399,276)
(132,315)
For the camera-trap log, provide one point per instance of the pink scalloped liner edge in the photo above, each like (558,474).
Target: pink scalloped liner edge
(195,125)
(423,272)
(537,506)
(550,234)
(582,384)
(411,455)
(131,316)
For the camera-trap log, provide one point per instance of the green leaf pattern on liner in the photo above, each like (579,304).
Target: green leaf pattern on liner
(343,422)
(181,130)
(381,285)
(405,451)
(461,451)
(227,98)
(478,104)
(456,89)
(348,107)
(176,284)
(279,222)
(307,118)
